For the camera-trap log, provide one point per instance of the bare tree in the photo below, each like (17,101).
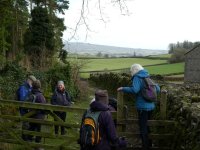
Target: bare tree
(85,9)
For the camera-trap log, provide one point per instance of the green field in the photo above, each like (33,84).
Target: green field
(116,63)
(161,56)
(166,69)
(119,64)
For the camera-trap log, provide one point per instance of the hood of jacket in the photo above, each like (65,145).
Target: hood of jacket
(36,91)
(142,74)
(98,106)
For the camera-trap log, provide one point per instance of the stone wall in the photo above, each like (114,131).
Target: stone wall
(192,67)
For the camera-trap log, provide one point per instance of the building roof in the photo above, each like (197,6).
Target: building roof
(198,45)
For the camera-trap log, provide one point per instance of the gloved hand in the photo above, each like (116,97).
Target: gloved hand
(122,142)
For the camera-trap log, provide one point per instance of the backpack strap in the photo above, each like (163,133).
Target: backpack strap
(34,98)
(93,114)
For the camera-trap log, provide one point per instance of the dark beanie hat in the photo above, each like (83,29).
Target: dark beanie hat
(36,84)
(101,96)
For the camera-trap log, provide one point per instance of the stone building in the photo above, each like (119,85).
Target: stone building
(192,65)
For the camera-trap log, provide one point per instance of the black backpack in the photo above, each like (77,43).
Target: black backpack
(89,132)
(112,102)
(149,91)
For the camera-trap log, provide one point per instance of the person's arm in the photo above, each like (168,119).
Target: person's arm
(68,99)
(135,88)
(54,98)
(109,126)
(22,93)
(111,131)
(157,88)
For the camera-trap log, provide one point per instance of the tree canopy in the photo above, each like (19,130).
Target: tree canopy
(31,29)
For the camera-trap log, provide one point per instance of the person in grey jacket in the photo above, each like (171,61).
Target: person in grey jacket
(144,108)
(60,97)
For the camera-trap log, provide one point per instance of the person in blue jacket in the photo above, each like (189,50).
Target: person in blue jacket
(143,107)
(23,93)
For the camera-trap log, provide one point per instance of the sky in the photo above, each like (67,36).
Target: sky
(147,24)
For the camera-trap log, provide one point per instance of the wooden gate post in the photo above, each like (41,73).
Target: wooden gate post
(120,110)
(163,104)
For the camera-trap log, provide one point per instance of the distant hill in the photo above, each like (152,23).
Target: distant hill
(94,49)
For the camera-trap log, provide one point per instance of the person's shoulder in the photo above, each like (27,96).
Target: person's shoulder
(66,92)
(23,86)
(55,92)
(137,78)
(40,96)
(105,114)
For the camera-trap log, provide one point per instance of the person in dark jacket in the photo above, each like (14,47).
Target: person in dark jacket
(144,108)
(107,129)
(61,97)
(40,114)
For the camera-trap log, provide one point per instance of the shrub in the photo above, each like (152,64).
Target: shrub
(62,72)
(12,75)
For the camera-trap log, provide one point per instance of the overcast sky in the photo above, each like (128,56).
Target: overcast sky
(149,24)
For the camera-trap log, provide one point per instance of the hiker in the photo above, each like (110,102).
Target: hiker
(60,97)
(112,106)
(40,114)
(23,93)
(106,137)
(112,103)
(144,108)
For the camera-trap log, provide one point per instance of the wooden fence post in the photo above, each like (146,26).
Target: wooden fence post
(120,109)
(163,104)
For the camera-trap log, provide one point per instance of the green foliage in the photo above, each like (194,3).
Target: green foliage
(63,56)
(12,75)
(40,31)
(39,38)
(14,16)
(5,20)
(110,81)
(62,72)
(181,45)
(178,55)
(185,112)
